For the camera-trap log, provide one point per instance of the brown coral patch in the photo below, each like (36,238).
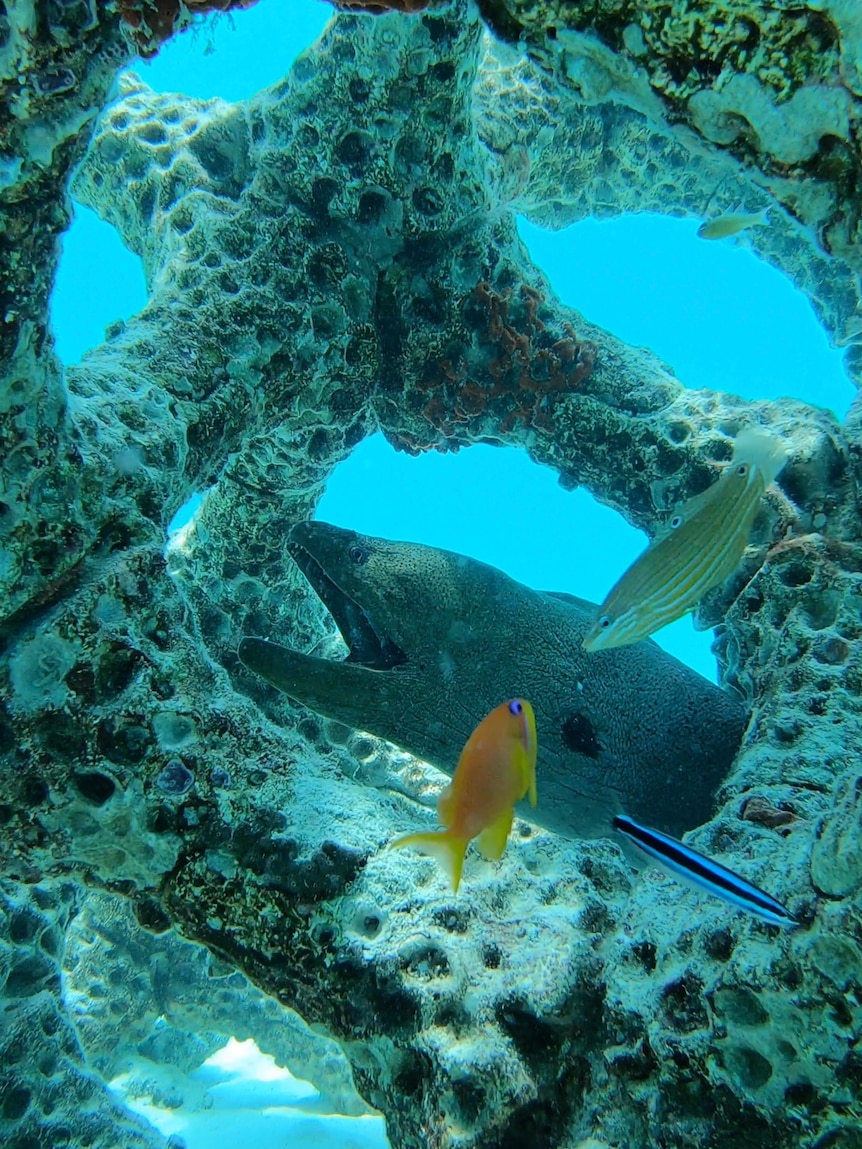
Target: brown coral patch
(760,810)
(378,7)
(522,367)
(155,21)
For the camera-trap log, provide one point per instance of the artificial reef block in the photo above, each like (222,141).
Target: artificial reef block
(338,255)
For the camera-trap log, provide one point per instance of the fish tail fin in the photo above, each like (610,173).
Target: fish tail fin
(762,450)
(763,216)
(448,850)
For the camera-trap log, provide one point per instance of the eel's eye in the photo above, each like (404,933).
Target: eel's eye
(357,554)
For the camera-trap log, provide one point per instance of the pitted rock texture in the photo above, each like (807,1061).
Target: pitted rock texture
(338,254)
(139,994)
(776,88)
(560,158)
(48,1093)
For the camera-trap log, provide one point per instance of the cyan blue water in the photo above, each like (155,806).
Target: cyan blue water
(713,311)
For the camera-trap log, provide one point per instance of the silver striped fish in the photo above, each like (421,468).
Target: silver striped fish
(695,867)
(698,549)
(731,223)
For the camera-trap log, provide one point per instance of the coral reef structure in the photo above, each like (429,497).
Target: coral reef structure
(339,254)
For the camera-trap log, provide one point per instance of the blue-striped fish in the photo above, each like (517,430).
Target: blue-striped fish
(695,867)
(698,549)
(731,223)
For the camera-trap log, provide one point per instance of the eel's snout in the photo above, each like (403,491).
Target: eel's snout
(309,545)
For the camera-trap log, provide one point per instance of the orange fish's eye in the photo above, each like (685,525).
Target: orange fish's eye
(357,554)
(515,706)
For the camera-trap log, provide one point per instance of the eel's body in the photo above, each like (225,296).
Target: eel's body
(437,640)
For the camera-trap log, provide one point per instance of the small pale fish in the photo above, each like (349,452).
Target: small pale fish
(692,866)
(698,549)
(497,767)
(731,223)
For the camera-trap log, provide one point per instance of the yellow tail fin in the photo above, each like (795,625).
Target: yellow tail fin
(448,850)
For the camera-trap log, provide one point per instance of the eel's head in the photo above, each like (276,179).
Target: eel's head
(376,619)
(336,564)
(406,612)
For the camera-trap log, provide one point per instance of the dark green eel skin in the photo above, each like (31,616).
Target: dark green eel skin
(437,640)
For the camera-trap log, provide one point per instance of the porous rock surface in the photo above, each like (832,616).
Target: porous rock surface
(179,1003)
(48,1093)
(338,254)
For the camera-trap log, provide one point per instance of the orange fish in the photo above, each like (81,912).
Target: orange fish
(496,769)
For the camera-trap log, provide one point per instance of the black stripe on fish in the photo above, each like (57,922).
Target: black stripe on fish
(710,875)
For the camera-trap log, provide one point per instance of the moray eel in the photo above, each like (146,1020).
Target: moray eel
(437,640)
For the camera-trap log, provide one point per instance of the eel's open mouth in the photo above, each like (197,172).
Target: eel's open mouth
(369,645)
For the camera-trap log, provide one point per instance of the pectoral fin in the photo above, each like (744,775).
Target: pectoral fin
(530,781)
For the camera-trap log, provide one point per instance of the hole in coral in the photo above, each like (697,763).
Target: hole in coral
(87,297)
(16,1103)
(95,787)
(494,504)
(795,574)
(23,927)
(425,963)
(748,1065)
(27,977)
(184,515)
(669,273)
(34,791)
(491,956)
(821,610)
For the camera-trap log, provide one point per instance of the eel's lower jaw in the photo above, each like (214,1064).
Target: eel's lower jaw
(369,646)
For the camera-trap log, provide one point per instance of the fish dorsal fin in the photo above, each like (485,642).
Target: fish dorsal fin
(574,599)
(492,840)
